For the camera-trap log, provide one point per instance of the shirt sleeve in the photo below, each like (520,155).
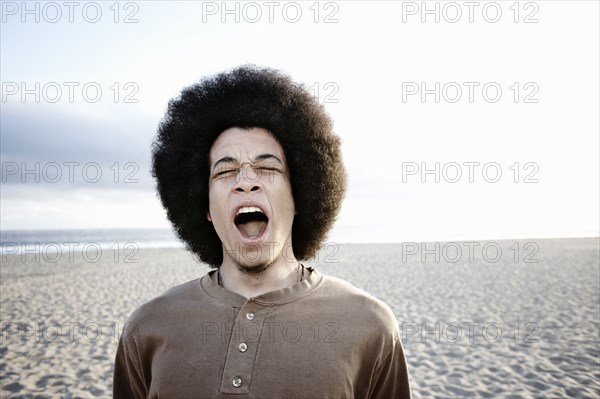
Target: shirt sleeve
(128,381)
(391,377)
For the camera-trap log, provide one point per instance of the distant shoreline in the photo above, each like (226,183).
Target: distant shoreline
(16,242)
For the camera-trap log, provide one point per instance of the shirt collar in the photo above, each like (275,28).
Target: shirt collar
(312,278)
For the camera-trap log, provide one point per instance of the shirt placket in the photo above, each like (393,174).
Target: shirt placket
(243,348)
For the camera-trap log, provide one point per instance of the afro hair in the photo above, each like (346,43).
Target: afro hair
(245,97)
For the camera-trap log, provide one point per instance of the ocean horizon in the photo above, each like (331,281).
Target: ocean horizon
(49,241)
(19,241)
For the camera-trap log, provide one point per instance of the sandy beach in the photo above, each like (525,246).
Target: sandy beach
(514,318)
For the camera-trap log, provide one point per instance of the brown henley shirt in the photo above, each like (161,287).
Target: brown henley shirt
(321,338)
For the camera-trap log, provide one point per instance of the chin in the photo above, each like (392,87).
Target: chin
(253,268)
(251,259)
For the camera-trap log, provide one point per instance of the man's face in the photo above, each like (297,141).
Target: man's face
(250,198)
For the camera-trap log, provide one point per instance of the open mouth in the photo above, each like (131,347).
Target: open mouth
(251,221)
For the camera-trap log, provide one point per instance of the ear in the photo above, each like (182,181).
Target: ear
(208,217)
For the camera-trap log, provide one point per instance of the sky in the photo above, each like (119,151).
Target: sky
(458,120)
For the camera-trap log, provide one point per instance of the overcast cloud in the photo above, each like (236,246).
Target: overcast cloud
(483,129)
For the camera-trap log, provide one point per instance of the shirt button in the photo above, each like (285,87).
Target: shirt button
(250,316)
(237,381)
(243,347)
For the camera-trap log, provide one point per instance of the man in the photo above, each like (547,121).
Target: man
(252,179)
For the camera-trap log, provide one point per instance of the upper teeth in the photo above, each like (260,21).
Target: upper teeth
(248,209)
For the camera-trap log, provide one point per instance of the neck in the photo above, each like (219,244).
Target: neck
(278,275)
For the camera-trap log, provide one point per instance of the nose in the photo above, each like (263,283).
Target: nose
(247,180)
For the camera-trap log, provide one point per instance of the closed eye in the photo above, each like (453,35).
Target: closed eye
(224,172)
(269,168)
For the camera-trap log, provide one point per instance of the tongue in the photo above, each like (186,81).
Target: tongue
(251,229)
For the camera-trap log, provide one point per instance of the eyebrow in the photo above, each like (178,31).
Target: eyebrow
(260,157)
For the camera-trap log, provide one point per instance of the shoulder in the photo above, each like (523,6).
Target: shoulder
(358,303)
(365,323)
(172,301)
